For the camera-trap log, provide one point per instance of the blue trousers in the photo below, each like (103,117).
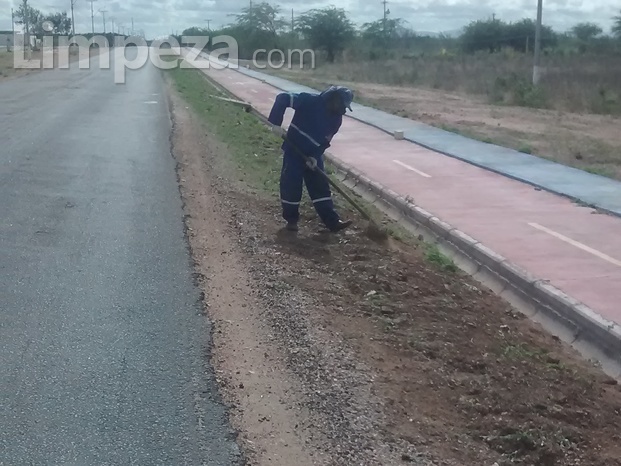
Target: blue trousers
(294,172)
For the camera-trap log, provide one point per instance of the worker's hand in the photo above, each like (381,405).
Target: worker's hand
(311,163)
(279,131)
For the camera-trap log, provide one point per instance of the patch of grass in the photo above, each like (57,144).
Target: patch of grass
(526,149)
(255,151)
(435,256)
(599,170)
(521,351)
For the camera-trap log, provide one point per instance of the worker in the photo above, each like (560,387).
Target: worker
(316,120)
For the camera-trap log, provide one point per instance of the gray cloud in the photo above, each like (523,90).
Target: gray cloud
(161,17)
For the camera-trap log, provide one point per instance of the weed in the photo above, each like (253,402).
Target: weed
(435,256)
(526,149)
(521,351)
(599,170)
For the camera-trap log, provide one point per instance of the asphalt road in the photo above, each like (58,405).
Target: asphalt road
(103,345)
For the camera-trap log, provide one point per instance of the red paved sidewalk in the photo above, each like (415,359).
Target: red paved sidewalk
(576,250)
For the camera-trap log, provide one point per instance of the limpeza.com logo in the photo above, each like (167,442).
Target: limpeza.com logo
(131,53)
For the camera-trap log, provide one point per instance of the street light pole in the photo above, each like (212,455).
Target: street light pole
(26,32)
(92,17)
(103,14)
(72,17)
(536,68)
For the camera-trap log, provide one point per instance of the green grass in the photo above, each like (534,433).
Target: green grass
(255,152)
(601,171)
(521,351)
(436,257)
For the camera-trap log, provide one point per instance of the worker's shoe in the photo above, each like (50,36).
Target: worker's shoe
(292,226)
(341,225)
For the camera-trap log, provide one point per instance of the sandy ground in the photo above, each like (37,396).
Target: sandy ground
(332,349)
(585,141)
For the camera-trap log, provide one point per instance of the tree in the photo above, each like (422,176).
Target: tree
(32,14)
(616,28)
(328,29)
(61,22)
(375,33)
(521,35)
(195,32)
(261,17)
(494,34)
(586,31)
(484,35)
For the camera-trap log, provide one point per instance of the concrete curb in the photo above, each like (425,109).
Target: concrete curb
(572,321)
(576,323)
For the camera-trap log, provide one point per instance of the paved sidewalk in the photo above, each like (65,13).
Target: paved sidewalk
(574,248)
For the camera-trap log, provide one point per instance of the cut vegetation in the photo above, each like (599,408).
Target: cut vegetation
(360,353)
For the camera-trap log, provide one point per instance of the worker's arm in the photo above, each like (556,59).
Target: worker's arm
(283,101)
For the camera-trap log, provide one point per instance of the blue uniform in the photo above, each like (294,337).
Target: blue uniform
(312,128)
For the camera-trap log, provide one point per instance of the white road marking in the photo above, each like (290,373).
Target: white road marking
(577,244)
(412,169)
(150,102)
(254,90)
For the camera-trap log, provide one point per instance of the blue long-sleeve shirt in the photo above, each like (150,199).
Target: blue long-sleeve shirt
(312,126)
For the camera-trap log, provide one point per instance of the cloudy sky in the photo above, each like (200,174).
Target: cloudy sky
(161,17)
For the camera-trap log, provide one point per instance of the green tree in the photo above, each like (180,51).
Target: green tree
(484,35)
(328,29)
(31,14)
(262,17)
(61,22)
(616,28)
(374,32)
(521,35)
(493,34)
(586,31)
(195,31)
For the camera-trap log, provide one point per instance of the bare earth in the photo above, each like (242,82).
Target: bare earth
(332,349)
(591,142)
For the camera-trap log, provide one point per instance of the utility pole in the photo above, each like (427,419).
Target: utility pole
(251,18)
(536,69)
(112,21)
(208,21)
(92,17)
(384,3)
(132,33)
(12,30)
(103,14)
(26,31)
(72,17)
(292,23)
